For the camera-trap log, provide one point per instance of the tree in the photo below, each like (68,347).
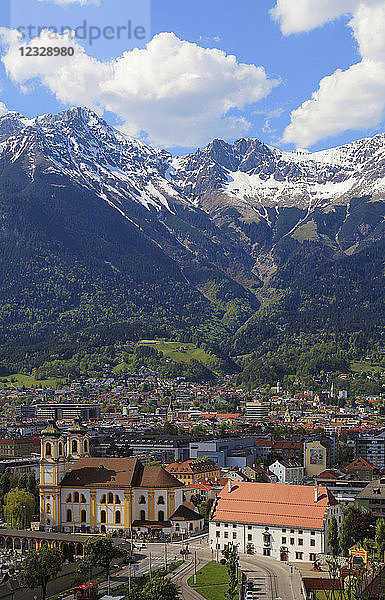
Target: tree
(101,551)
(19,507)
(160,587)
(380,538)
(332,537)
(230,554)
(22,482)
(33,488)
(39,568)
(5,486)
(346,540)
(170,428)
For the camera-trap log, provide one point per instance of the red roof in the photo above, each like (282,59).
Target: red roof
(274,504)
(360,464)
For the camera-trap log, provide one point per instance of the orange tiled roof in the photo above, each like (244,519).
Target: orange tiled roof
(360,463)
(274,504)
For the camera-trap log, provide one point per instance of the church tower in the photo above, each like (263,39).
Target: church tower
(78,442)
(53,464)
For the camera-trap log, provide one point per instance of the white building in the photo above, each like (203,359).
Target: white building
(287,471)
(286,522)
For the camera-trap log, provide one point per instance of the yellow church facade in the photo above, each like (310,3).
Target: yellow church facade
(79,493)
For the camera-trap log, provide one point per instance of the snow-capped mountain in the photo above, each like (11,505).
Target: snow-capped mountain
(79,144)
(252,174)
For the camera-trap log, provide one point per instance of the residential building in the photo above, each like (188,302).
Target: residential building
(18,447)
(287,471)
(372,448)
(192,471)
(372,498)
(316,458)
(286,522)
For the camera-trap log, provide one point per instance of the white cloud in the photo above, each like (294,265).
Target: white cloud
(176,92)
(297,16)
(3,109)
(350,99)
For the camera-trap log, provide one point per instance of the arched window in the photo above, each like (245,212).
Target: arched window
(48,508)
(103,516)
(76,496)
(117,499)
(142,500)
(117,517)
(83,516)
(177,527)
(69,498)
(103,499)
(74,447)
(110,498)
(85,446)
(69,515)
(48,449)
(142,515)
(191,527)
(161,500)
(82,499)
(60,449)
(161,515)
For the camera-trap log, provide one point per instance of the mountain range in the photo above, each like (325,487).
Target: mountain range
(242,245)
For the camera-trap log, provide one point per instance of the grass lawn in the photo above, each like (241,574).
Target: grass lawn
(182,352)
(211,574)
(365,366)
(214,592)
(211,582)
(28,381)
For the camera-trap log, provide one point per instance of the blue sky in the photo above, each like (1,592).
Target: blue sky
(177,94)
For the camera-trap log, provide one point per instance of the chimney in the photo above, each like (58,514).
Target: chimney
(316,495)
(229,486)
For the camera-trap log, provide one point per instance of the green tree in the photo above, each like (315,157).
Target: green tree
(380,538)
(5,486)
(33,488)
(39,568)
(160,587)
(346,540)
(101,551)
(22,482)
(332,537)
(19,507)
(230,554)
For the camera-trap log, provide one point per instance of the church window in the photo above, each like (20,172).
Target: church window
(142,500)
(83,516)
(69,498)
(110,498)
(69,515)
(117,499)
(48,508)
(76,496)
(177,527)
(85,446)
(48,449)
(161,500)
(142,515)
(103,499)
(82,499)
(103,516)
(60,449)
(117,517)
(74,447)
(161,515)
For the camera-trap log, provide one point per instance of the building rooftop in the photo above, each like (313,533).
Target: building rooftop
(274,504)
